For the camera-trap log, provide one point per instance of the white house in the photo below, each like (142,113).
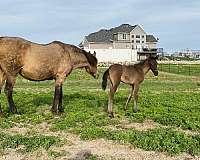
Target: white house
(122,43)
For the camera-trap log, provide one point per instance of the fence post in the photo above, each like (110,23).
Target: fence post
(189,69)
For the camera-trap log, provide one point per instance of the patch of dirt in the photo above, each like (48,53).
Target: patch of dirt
(104,149)
(148,124)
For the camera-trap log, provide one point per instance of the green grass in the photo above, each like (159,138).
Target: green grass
(29,143)
(170,100)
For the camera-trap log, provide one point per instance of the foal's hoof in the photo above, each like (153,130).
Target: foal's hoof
(135,110)
(111,115)
(1,114)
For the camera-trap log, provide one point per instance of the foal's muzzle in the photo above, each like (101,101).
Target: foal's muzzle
(155,72)
(96,76)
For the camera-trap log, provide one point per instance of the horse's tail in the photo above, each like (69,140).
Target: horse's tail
(105,77)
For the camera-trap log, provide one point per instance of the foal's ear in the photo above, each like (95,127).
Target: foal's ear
(157,57)
(94,54)
(89,52)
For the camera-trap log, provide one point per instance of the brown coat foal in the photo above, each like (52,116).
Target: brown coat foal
(132,74)
(39,62)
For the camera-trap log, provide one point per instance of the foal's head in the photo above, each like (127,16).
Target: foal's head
(92,68)
(152,61)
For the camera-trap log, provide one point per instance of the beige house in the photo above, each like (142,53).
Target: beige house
(132,41)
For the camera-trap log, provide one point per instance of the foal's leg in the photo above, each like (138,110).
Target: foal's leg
(129,97)
(113,89)
(135,96)
(9,91)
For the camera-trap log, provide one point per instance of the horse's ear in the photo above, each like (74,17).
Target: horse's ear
(89,52)
(94,54)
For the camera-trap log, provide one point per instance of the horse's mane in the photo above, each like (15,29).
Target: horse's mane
(91,59)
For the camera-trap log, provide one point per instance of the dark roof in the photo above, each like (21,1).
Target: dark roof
(105,35)
(151,38)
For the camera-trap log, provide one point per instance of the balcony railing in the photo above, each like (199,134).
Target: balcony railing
(151,51)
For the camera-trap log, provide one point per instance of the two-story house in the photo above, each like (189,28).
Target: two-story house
(122,43)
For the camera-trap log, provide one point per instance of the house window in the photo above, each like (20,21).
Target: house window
(133,47)
(142,41)
(124,36)
(132,36)
(137,41)
(132,41)
(137,36)
(142,36)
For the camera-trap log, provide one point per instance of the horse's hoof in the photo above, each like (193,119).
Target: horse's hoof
(135,110)
(61,110)
(14,111)
(53,111)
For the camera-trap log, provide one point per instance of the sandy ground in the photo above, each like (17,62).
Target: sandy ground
(77,149)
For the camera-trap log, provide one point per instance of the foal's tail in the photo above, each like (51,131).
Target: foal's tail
(105,77)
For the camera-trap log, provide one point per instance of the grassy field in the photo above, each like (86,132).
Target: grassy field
(183,69)
(170,101)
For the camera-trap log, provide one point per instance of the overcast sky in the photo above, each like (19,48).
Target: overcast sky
(175,22)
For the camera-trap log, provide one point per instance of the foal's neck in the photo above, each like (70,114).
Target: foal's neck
(146,68)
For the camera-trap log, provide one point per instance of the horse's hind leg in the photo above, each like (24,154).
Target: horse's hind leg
(9,93)
(2,80)
(129,97)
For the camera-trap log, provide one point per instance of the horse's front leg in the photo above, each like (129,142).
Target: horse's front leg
(56,99)
(9,93)
(135,96)
(60,107)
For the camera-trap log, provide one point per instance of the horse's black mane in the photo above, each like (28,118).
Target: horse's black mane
(91,59)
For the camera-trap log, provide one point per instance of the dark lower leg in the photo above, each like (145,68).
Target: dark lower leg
(60,107)
(129,98)
(56,99)
(9,92)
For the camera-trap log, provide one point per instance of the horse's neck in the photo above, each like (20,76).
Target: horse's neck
(79,62)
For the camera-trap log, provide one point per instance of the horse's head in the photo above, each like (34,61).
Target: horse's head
(92,68)
(152,61)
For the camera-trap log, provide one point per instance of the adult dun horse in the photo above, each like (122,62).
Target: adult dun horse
(39,62)
(129,74)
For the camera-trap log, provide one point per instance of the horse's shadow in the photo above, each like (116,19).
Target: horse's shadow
(44,100)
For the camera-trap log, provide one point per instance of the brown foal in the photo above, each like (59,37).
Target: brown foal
(129,74)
